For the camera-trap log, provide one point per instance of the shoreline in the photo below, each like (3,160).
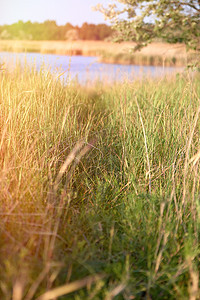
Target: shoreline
(155,54)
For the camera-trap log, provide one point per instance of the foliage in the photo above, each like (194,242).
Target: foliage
(95,32)
(49,30)
(142,21)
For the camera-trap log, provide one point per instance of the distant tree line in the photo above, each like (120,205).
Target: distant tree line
(49,30)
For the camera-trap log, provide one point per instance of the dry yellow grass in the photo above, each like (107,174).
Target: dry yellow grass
(63,47)
(95,48)
(153,54)
(68,216)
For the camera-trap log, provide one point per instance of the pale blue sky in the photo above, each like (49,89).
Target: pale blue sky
(62,11)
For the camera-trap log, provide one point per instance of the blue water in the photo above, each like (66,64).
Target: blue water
(84,69)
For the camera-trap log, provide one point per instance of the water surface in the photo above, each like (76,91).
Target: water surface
(85,69)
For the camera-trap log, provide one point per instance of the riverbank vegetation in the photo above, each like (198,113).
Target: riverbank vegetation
(99,188)
(156,54)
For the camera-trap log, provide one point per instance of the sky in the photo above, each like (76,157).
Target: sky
(75,12)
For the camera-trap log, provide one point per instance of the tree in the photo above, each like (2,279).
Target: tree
(5,35)
(72,35)
(142,21)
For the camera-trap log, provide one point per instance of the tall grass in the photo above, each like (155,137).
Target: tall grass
(99,188)
(155,54)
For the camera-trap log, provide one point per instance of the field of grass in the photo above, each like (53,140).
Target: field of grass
(99,188)
(156,54)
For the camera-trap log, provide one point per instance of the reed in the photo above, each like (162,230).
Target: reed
(155,54)
(99,188)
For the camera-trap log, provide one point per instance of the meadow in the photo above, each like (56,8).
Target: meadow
(99,188)
(155,54)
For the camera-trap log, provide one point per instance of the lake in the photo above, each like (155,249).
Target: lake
(85,69)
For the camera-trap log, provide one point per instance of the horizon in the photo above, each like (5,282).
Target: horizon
(75,12)
(51,20)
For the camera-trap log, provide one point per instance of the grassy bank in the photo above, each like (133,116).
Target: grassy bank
(99,188)
(156,54)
